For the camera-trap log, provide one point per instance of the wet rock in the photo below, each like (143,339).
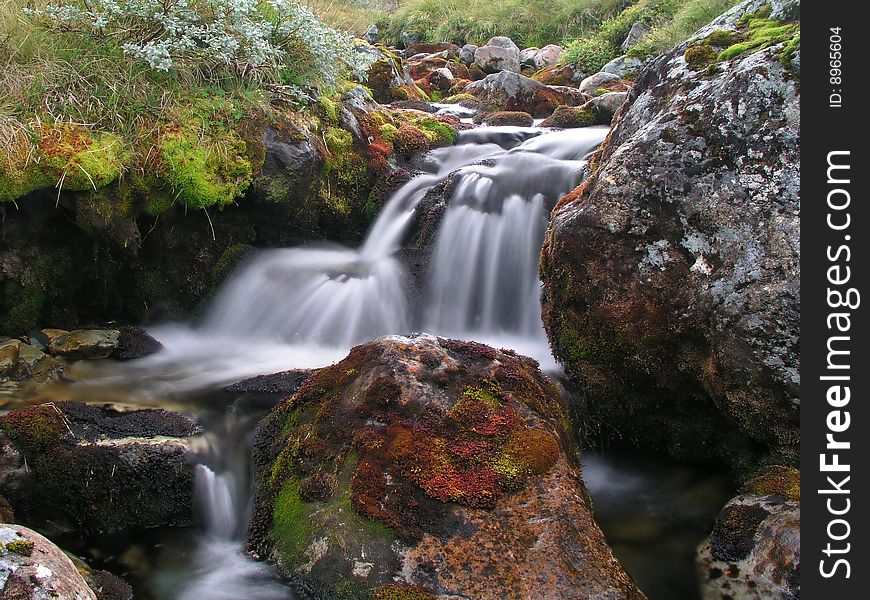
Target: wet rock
(285,382)
(637,31)
(466,54)
(105,585)
(515,119)
(568,117)
(27,365)
(624,67)
(415,105)
(515,92)
(290,162)
(754,549)
(671,275)
(85,344)
(98,469)
(593,82)
(499,54)
(32,568)
(431,460)
(135,342)
(547,56)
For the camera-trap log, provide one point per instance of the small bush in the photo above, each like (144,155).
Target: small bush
(589,54)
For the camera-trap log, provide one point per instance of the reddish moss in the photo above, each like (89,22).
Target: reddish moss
(775,481)
(400,591)
(34,428)
(410,140)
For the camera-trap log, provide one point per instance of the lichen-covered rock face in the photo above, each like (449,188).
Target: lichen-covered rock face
(753,552)
(32,568)
(97,469)
(425,465)
(671,275)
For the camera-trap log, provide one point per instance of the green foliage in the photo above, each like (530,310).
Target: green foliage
(205,174)
(762,32)
(688,18)
(589,54)
(527,22)
(289,523)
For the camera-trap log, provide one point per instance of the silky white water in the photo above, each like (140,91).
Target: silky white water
(306,307)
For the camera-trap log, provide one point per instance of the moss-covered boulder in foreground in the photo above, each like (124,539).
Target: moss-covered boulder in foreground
(97,469)
(420,465)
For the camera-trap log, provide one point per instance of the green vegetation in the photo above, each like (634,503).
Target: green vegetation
(688,18)
(527,22)
(83,106)
(756,31)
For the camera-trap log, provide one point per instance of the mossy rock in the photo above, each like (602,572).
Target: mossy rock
(570,117)
(429,445)
(68,157)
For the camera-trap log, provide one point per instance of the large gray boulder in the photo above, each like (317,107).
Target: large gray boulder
(548,55)
(515,92)
(499,54)
(671,275)
(595,81)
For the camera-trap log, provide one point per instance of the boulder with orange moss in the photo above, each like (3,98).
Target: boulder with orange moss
(433,466)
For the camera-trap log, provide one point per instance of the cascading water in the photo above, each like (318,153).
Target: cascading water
(221,570)
(305,307)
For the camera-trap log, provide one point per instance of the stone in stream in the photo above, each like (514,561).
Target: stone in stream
(28,365)
(285,382)
(429,465)
(753,551)
(98,469)
(671,274)
(85,343)
(515,92)
(135,342)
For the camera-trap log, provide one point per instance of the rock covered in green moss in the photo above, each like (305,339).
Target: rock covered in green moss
(63,156)
(98,469)
(754,549)
(671,275)
(508,118)
(41,572)
(419,464)
(568,117)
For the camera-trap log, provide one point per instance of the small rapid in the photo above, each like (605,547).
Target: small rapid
(219,568)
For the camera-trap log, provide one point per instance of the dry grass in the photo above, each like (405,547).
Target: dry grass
(355,16)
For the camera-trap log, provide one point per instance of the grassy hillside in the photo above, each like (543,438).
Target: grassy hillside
(85,100)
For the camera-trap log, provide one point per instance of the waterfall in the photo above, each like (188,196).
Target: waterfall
(305,307)
(221,570)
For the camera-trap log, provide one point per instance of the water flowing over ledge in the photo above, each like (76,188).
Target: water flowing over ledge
(306,307)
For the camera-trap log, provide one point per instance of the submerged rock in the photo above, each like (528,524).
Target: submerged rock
(671,275)
(98,469)
(32,568)
(429,465)
(753,552)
